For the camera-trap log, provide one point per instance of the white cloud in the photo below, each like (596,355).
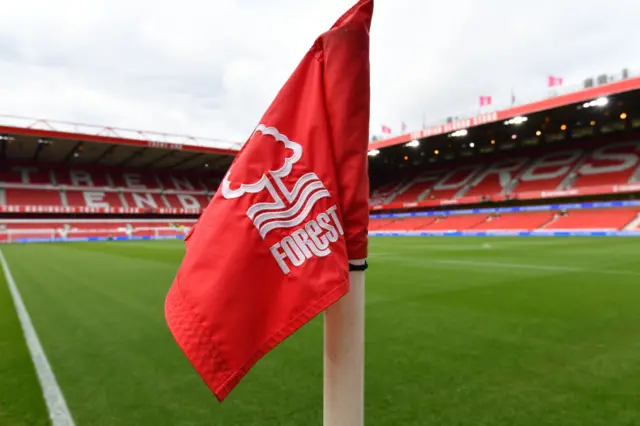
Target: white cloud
(211,68)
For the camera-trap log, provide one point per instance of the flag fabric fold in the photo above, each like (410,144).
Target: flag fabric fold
(272,249)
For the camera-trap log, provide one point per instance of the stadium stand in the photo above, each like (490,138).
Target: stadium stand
(607,220)
(70,180)
(22,186)
(516,221)
(612,164)
(455,222)
(46,229)
(604,162)
(611,219)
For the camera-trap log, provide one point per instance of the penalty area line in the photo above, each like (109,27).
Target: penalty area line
(56,405)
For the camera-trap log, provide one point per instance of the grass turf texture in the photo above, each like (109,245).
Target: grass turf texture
(460,331)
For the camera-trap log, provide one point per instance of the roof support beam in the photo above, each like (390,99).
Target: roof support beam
(158,159)
(37,152)
(132,157)
(71,152)
(105,153)
(186,160)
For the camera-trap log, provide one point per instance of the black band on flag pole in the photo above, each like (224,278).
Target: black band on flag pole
(362,267)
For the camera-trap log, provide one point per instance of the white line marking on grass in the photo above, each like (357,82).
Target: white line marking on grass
(57,406)
(458,245)
(535,267)
(511,265)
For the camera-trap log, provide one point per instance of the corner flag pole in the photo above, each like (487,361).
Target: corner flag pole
(344,355)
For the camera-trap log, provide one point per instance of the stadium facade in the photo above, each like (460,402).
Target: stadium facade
(565,165)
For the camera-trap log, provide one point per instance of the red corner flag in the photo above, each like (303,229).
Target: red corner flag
(272,249)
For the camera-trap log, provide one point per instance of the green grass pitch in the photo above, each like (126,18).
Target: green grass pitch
(459,331)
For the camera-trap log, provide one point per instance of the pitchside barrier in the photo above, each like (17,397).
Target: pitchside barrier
(511,233)
(73,239)
(97,234)
(522,209)
(372,234)
(576,233)
(160,233)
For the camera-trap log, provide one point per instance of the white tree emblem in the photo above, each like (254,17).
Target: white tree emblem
(297,203)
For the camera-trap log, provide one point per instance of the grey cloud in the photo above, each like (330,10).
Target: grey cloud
(211,68)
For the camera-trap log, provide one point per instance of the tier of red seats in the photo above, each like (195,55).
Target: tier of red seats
(8,224)
(380,224)
(97,198)
(594,163)
(187,201)
(100,178)
(413,192)
(496,178)
(601,219)
(609,219)
(93,199)
(623,154)
(455,222)
(528,221)
(11,230)
(410,224)
(32,197)
(77,187)
(25,175)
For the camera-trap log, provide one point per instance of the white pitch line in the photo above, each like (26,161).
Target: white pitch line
(536,267)
(511,265)
(56,404)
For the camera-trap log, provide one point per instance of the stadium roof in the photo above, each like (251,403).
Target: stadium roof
(39,140)
(31,144)
(575,97)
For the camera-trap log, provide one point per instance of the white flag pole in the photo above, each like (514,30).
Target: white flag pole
(344,356)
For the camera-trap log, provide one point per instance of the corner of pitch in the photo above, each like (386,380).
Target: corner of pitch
(313,239)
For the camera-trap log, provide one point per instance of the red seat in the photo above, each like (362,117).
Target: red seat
(26,175)
(602,219)
(527,221)
(187,201)
(134,180)
(456,222)
(178,182)
(94,199)
(609,165)
(32,197)
(80,177)
(144,200)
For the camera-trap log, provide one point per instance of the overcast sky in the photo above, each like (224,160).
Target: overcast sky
(211,67)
